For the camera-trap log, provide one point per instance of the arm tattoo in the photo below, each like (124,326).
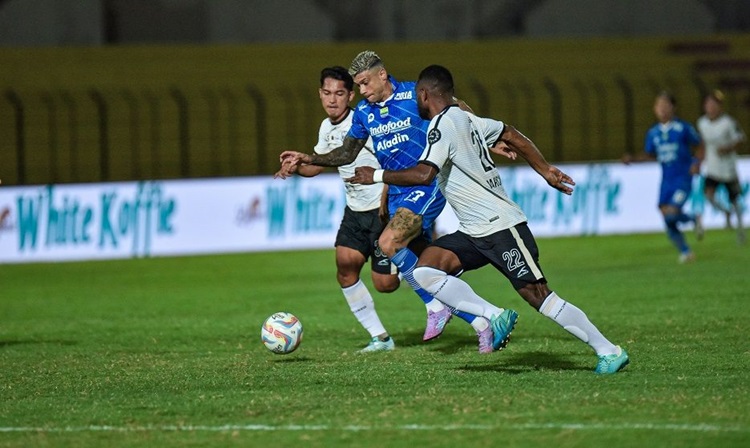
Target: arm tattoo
(346,153)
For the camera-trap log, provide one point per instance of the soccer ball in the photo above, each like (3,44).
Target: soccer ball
(281,333)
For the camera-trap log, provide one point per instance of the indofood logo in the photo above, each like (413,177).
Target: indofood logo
(53,219)
(391,126)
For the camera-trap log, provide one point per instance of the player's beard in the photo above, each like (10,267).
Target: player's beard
(424,113)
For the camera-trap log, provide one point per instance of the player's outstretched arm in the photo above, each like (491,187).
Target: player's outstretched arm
(526,148)
(419,174)
(288,168)
(629,158)
(346,153)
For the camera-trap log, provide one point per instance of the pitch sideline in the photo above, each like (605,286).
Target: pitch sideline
(354,428)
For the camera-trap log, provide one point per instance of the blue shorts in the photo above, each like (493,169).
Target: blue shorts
(675,194)
(427,201)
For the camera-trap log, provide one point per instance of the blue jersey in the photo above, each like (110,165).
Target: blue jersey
(398,134)
(670,143)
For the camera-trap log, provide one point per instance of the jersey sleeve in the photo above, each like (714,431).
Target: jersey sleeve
(358,129)
(648,145)
(321,146)
(437,151)
(736,133)
(693,137)
(490,129)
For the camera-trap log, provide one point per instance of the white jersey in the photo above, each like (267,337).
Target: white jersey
(722,131)
(458,146)
(359,197)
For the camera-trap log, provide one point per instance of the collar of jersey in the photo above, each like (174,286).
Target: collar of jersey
(348,111)
(396,86)
(668,125)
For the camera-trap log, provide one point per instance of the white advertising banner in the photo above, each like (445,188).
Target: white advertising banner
(160,218)
(609,198)
(155,218)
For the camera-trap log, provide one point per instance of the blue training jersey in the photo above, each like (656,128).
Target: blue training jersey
(398,134)
(670,143)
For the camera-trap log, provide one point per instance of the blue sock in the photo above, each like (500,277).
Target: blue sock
(405,260)
(683,217)
(677,238)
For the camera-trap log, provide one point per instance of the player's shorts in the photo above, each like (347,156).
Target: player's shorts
(360,231)
(427,201)
(512,251)
(734,189)
(675,194)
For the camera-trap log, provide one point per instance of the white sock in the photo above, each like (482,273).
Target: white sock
(454,292)
(575,321)
(480,324)
(738,212)
(363,307)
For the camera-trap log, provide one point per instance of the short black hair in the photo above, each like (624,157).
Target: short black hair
(438,77)
(337,72)
(667,95)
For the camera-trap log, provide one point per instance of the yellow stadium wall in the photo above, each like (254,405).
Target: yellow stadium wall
(105,114)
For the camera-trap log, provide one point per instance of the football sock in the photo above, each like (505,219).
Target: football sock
(677,238)
(576,323)
(405,260)
(455,293)
(719,206)
(363,307)
(737,206)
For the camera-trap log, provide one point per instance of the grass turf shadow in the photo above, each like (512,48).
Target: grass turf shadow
(517,363)
(10,343)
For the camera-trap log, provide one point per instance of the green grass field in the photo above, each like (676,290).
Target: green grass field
(167,352)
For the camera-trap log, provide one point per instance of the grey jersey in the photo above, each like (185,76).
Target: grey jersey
(723,131)
(359,197)
(458,146)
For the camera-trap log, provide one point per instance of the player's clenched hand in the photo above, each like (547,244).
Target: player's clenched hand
(501,148)
(559,180)
(288,167)
(362,175)
(301,156)
(290,161)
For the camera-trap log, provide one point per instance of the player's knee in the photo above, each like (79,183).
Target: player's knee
(346,277)
(428,278)
(671,220)
(386,284)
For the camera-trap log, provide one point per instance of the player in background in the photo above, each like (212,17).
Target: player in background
(723,138)
(677,146)
(388,114)
(357,237)
(492,228)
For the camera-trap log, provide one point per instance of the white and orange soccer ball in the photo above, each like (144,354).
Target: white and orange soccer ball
(281,333)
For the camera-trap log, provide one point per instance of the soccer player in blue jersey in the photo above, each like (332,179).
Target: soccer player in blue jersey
(492,229)
(677,146)
(388,113)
